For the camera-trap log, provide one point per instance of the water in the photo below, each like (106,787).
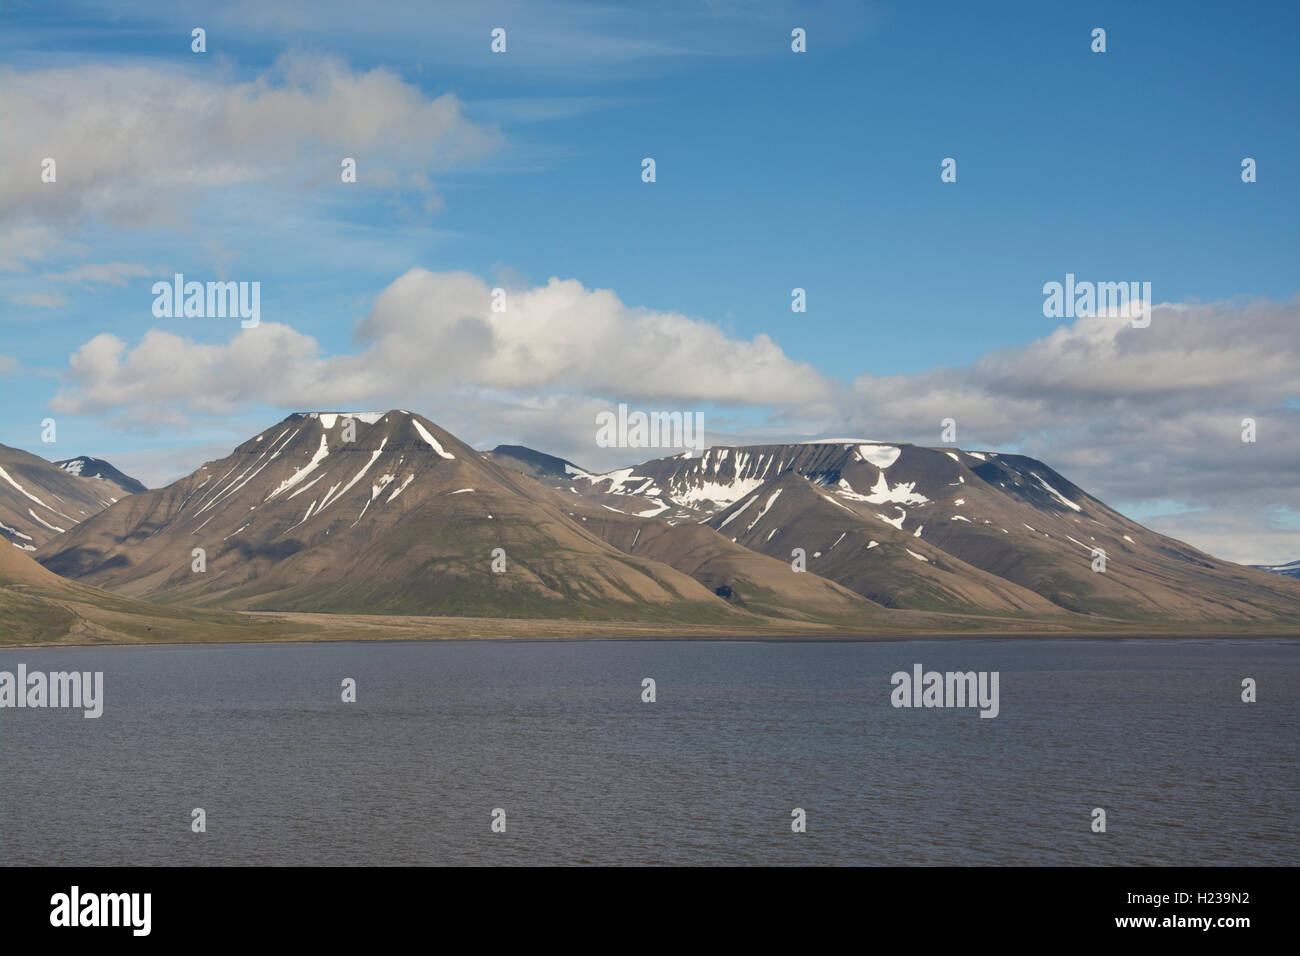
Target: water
(555,733)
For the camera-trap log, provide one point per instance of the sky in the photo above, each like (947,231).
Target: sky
(774,170)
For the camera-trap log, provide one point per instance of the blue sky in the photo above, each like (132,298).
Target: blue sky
(774,170)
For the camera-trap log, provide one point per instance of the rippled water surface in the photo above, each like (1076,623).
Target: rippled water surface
(556,734)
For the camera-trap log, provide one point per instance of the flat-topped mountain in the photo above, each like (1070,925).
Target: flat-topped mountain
(942,529)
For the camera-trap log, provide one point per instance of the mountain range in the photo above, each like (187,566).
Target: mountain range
(387,515)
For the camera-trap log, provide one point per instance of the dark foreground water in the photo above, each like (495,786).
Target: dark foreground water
(556,734)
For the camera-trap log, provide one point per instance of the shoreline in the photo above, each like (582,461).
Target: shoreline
(702,636)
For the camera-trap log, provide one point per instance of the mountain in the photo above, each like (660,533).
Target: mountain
(84,466)
(404,519)
(535,464)
(39,500)
(942,529)
(1291,570)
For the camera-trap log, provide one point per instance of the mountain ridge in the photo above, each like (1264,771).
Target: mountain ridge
(407,519)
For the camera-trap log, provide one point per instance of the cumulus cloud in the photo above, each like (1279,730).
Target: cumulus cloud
(141,145)
(442,326)
(436,331)
(274,364)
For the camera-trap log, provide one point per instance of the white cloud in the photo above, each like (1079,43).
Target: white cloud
(440,327)
(430,332)
(1133,415)
(141,145)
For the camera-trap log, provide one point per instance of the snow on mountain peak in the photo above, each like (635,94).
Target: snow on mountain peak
(330,419)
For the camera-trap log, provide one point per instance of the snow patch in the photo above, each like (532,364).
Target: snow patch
(44,522)
(896,522)
(776,494)
(5,527)
(1056,494)
(5,475)
(881,493)
(304,471)
(303,488)
(400,488)
(433,442)
(882,456)
(735,514)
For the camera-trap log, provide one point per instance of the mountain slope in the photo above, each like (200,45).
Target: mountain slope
(946,523)
(39,607)
(742,577)
(40,500)
(404,519)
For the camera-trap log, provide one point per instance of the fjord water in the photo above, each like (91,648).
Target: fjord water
(556,734)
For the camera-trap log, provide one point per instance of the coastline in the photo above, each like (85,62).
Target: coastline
(328,628)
